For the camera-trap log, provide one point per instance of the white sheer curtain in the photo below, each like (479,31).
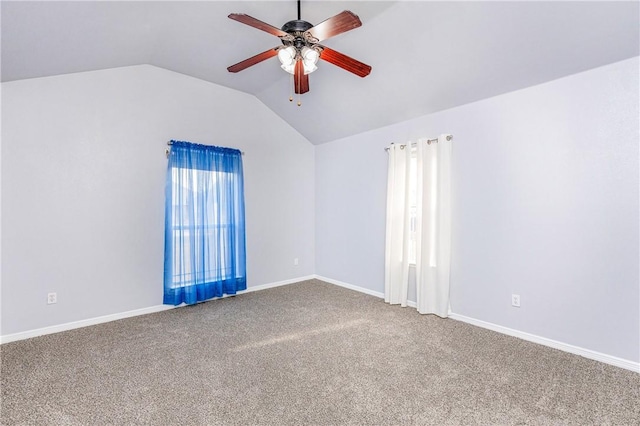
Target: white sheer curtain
(433,226)
(425,186)
(396,280)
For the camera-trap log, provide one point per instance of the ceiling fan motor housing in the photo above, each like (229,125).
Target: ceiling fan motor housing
(297,28)
(297,25)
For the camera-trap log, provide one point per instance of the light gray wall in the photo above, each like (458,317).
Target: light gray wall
(545,205)
(83,173)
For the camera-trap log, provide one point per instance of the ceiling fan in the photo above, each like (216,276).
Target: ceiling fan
(300,48)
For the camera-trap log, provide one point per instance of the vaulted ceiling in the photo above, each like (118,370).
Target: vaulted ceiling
(426,56)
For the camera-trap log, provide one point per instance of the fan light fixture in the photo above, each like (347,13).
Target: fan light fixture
(301,49)
(289,55)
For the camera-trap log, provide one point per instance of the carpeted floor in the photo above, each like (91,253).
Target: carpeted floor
(307,353)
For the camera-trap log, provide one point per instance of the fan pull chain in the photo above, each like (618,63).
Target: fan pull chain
(299,88)
(291,88)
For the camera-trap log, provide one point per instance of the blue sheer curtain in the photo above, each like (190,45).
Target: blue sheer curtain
(204,251)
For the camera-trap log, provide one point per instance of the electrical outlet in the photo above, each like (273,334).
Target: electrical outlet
(52,298)
(295,261)
(515,300)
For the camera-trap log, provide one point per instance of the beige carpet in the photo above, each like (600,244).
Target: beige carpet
(307,353)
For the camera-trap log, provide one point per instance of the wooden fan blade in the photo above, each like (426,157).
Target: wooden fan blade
(335,25)
(301,81)
(254,60)
(345,62)
(256,23)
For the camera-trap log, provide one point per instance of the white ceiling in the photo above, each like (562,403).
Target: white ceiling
(426,56)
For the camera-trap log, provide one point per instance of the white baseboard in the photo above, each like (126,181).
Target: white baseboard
(576,350)
(82,323)
(410,303)
(113,317)
(278,283)
(350,286)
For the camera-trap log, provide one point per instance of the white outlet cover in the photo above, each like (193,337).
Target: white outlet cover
(515,300)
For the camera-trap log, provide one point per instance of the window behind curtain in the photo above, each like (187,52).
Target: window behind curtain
(430,178)
(204,224)
(413,204)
